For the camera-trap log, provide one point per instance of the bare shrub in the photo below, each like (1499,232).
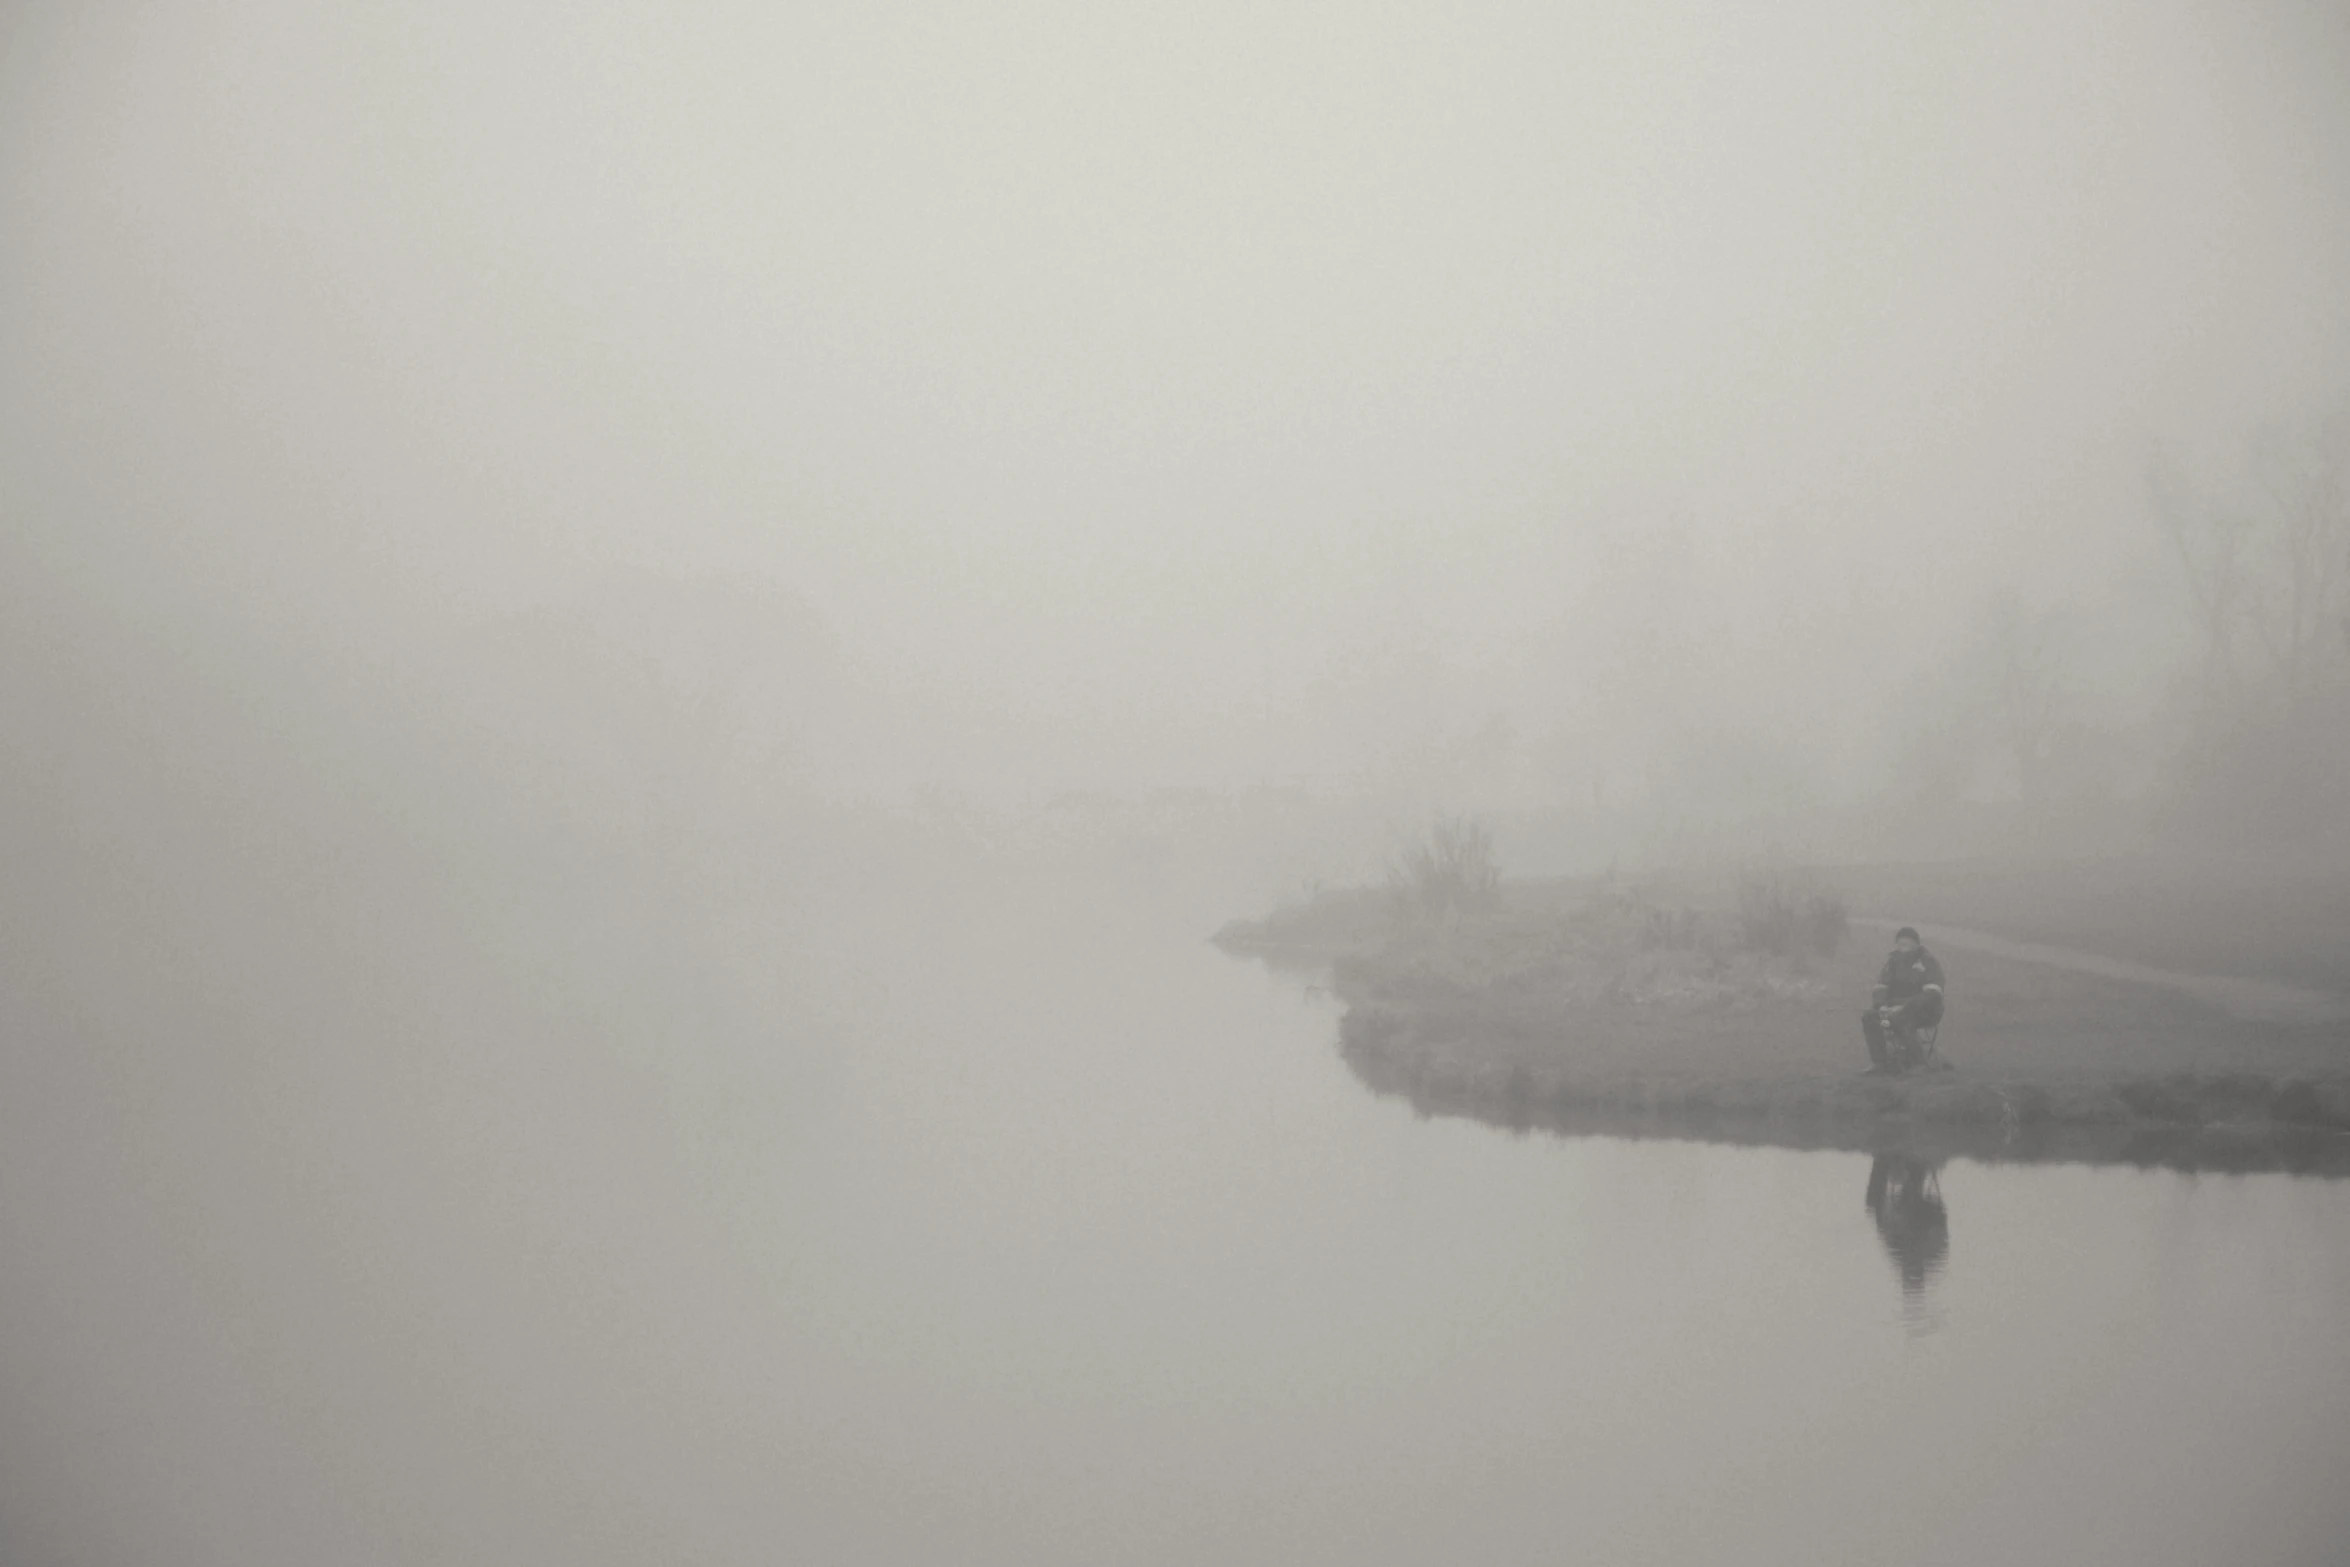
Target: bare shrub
(1789,914)
(1452,873)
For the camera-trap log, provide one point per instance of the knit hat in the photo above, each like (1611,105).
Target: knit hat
(1911,931)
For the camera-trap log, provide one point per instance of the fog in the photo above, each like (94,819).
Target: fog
(637,643)
(1120,390)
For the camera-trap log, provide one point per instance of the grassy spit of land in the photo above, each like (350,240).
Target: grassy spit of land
(1665,1009)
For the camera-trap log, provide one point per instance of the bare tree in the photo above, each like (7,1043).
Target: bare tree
(2304,477)
(2208,541)
(2029,656)
(2001,710)
(2267,575)
(2266,565)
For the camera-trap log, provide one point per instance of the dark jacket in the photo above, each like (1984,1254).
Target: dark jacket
(1909,974)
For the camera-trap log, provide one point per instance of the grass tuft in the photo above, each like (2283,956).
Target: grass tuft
(1450,874)
(1789,913)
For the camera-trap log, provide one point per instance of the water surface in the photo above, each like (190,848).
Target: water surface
(1005,1221)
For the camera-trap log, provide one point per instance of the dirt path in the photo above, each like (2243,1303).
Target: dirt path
(2254,1000)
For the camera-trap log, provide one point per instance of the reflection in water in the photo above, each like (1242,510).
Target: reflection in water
(1905,1198)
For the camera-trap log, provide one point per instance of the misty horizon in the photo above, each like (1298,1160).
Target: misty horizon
(1121,395)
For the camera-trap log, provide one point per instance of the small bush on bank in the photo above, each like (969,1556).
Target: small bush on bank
(1789,914)
(1452,873)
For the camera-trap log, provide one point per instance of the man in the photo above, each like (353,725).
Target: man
(1908,997)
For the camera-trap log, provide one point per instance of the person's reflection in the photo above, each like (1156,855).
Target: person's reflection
(1905,1198)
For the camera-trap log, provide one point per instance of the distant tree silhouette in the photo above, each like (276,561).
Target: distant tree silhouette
(654,702)
(2265,568)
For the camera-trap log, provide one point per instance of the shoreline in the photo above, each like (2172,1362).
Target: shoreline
(2221,1123)
(1562,1009)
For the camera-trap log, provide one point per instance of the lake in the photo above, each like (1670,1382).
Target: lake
(1000,1219)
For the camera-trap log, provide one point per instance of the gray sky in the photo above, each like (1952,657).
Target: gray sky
(1110,376)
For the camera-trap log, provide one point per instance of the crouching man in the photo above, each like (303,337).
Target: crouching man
(1908,997)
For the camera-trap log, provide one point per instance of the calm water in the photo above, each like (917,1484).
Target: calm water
(1013,1224)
